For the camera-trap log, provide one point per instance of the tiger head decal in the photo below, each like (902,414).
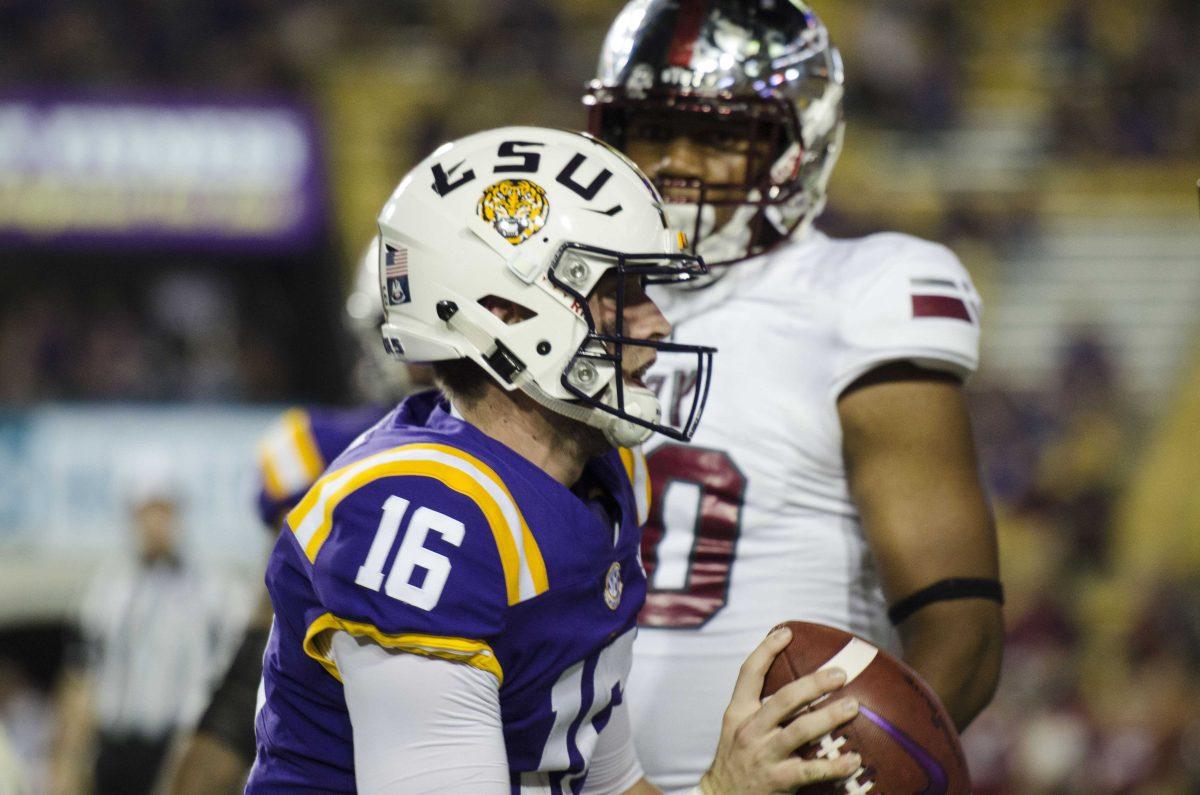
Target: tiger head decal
(516,208)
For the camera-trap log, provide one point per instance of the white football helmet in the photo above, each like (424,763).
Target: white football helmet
(376,376)
(534,217)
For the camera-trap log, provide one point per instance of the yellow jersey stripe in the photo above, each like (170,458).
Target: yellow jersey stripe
(535,566)
(300,430)
(476,653)
(533,556)
(289,456)
(627,459)
(272,482)
(643,487)
(639,479)
(524,568)
(451,478)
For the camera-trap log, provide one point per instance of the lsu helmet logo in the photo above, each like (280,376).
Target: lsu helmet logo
(516,208)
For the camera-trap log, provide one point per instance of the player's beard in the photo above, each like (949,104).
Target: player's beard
(586,441)
(576,438)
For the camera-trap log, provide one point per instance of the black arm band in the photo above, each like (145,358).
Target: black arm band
(945,590)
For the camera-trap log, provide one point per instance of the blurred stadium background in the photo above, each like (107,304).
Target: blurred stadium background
(184,188)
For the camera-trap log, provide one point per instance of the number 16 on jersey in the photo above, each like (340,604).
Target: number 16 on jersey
(412,554)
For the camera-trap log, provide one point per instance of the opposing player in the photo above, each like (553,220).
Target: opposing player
(292,455)
(834,479)
(455,598)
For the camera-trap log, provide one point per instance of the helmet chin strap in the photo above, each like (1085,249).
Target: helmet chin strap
(639,402)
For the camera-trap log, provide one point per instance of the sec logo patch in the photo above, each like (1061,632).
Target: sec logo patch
(613,586)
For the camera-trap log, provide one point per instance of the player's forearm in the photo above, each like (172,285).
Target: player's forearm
(217,758)
(74,733)
(956,647)
(208,767)
(264,612)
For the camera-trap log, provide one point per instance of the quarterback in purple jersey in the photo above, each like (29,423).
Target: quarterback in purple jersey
(447,473)
(455,598)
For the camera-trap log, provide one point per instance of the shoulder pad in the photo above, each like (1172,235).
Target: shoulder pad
(907,299)
(420,548)
(431,476)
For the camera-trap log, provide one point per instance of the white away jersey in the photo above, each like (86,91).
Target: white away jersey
(752,523)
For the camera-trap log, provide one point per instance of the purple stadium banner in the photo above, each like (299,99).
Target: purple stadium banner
(158,171)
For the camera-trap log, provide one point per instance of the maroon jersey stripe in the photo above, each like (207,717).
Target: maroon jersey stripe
(940,306)
(687,30)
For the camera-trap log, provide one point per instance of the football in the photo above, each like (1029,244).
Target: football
(907,741)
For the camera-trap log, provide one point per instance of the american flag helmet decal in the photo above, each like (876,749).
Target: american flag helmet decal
(395,272)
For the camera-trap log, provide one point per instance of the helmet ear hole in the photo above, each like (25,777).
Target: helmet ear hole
(507,310)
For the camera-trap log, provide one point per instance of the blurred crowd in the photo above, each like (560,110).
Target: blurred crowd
(1100,680)
(1102,672)
(1116,79)
(1120,75)
(1119,78)
(181,336)
(275,45)
(908,63)
(1124,77)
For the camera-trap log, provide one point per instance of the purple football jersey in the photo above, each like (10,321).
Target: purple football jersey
(296,449)
(430,537)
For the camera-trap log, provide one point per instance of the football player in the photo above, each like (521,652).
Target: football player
(834,479)
(455,598)
(292,455)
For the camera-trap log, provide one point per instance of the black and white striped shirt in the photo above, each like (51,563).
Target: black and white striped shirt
(157,636)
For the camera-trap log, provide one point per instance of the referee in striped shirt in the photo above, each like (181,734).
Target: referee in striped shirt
(154,633)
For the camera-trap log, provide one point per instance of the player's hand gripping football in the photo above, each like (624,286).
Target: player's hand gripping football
(759,737)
